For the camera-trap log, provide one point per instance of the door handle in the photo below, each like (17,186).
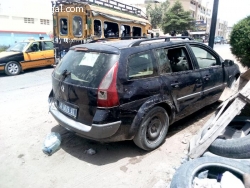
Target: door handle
(198,85)
(207,77)
(175,84)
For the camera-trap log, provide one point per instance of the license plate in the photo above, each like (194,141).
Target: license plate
(68,110)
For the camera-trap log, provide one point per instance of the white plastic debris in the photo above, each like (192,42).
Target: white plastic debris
(52,143)
(229,180)
(205,183)
(203,174)
(90,151)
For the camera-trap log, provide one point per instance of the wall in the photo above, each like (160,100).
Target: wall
(8,38)
(12,14)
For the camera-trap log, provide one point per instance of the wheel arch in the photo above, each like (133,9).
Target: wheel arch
(170,109)
(167,104)
(21,66)
(237,75)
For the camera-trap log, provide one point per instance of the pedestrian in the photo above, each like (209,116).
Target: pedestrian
(185,33)
(173,33)
(203,39)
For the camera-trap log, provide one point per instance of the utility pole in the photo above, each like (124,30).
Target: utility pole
(213,24)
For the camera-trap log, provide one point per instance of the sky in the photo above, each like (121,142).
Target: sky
(229,10)
(233,11)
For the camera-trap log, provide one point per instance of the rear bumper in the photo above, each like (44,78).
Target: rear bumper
(95,131)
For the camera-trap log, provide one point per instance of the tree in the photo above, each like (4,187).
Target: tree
(240,41)
(156,13)
(177,19)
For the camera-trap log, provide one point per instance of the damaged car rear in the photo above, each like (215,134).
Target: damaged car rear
(124,90)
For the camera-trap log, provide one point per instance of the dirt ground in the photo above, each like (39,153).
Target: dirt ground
(25,122)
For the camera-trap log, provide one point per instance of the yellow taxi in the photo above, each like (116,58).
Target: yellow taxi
(27,54)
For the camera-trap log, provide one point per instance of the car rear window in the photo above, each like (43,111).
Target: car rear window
(85,68)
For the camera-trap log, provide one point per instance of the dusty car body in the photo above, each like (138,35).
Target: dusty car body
(134,89)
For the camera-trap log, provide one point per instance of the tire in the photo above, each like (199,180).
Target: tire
(237,148)
(184,176)
(12,68)
(209,154)
(153,129)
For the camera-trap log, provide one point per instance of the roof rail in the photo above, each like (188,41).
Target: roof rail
(167,39)
(121,38)
(110,4)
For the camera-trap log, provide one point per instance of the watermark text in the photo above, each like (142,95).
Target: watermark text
(60,8)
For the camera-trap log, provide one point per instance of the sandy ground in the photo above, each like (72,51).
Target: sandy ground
(25,122)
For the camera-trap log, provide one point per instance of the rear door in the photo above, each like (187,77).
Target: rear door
(180,78)
(212,72)
(48,49)
(142,80)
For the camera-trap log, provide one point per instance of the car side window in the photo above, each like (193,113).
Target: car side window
(35,47)
(140,65)
(164,63)
(204,58)
(48,45)
(178,59)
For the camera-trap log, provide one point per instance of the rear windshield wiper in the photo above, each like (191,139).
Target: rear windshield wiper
(64,74)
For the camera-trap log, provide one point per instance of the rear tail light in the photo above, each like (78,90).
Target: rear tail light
(107,92)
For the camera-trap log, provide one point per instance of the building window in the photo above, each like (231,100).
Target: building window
(29,20)
(44,22)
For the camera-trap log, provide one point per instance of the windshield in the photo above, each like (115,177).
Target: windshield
(17,47)
(85,68)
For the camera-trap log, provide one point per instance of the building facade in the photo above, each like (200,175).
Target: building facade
(21,20)
(229,30)
(221,28)
(201,11)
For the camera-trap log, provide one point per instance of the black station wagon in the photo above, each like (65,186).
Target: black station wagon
(134,89)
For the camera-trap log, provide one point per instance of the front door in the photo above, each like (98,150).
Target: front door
(180,78)
(211,71)
(34,56)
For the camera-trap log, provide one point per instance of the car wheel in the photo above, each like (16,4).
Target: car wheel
(153,129)
(184,176)
(12,68)
(237,146)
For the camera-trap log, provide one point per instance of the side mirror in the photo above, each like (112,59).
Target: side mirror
(28,50)
(227,62)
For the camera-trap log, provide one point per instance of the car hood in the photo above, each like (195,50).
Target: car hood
(6,54)
(5,57)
